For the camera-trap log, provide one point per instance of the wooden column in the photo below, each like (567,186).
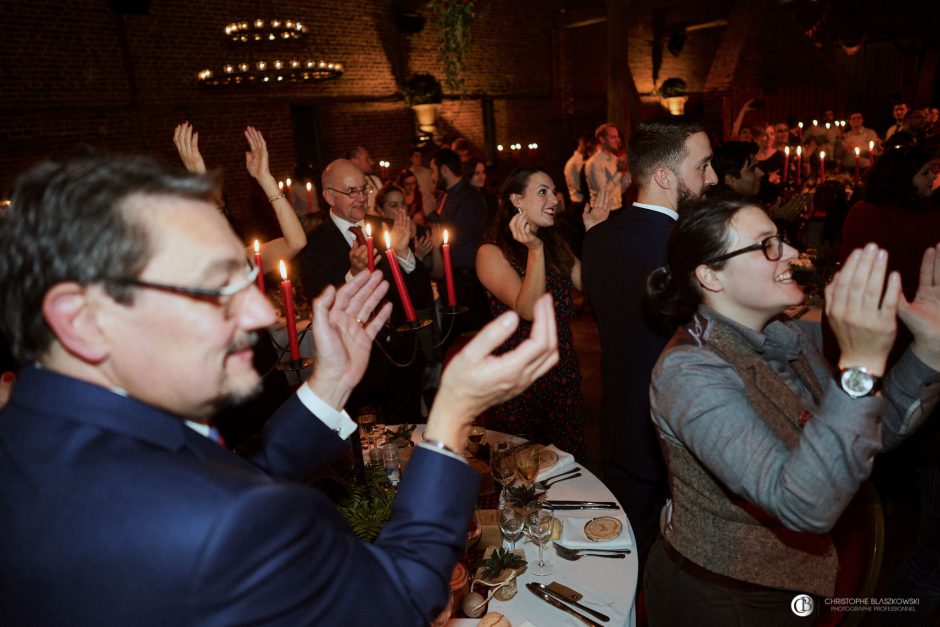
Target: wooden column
(623,102)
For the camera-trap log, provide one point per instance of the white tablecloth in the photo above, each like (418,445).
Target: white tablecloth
(608,585)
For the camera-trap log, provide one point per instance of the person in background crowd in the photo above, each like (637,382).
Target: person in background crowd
(414,201)
(474,172)
(899,111)
(359,156)
(423,174)
(858,137)
(603,170)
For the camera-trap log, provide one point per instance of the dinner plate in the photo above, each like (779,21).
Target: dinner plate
(547,458)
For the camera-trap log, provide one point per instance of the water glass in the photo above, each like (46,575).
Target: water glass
(511,521)
(502,463)
(539,522)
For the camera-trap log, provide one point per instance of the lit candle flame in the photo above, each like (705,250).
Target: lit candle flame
(388,241)
(827,126)
(368,230)
(309,186)
(800,125)
(288,182)
(822,155)
(799,151)
(280,185)
(871,145)
(857,151)
(283,270)
(815,122)
(445,236)
(786,150)
(257,247)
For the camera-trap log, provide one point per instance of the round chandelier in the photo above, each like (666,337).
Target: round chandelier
(296,68)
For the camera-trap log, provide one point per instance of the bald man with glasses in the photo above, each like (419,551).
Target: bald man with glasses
(336,252)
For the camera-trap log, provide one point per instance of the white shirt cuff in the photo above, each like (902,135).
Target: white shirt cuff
(337,421)
(407,262)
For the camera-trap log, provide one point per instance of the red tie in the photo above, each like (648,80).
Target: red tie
(440,206)
(360,238)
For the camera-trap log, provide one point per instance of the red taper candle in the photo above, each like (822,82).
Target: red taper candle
(370,247)
(289,319)
(448,272)
(399,280)
(259,266)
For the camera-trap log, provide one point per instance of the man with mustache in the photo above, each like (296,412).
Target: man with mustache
(130,300)
(670,163)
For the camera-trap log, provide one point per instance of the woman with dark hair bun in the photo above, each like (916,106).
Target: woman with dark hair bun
(524,256)
(765,445)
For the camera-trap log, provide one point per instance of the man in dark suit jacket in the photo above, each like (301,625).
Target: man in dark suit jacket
(131,298)
(333,256)
(670,162)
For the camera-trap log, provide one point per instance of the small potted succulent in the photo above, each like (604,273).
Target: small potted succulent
(499,569)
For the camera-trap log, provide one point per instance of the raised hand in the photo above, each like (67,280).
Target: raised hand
(359,259)
(476,379)
(187,145)
(343,330)
(401,232)
(256,159)
(862,309)
(424,244)
(922,315)
(522,233)
(597,211)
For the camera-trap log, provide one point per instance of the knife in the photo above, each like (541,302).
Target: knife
(572,506)
(595,503)
(555,602)
(596,614)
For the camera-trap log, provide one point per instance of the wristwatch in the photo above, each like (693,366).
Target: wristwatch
(857,382)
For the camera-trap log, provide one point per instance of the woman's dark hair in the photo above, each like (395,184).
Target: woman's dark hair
(385,191)
(470,166)
(890,181)
(558,256)
(700,234)
(404,174)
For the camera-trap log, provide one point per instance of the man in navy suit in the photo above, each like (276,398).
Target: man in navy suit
(130,298)
(670,162)
(333,255)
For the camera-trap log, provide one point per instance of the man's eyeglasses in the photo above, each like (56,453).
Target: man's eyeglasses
(227,297)
(772,247)
(366,190)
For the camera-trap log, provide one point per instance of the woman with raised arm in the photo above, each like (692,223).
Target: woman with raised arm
(256,162)
(766,444)
(525,256)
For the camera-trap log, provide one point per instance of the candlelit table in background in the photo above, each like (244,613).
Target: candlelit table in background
(608,585)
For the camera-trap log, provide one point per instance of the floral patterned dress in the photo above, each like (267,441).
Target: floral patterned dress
(552,409)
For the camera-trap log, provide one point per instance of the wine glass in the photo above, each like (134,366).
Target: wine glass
(527,462)
(502,463)
(539,522)
(511,520)
(475,438)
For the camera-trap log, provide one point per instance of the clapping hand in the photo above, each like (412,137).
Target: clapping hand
(343,330)
(598,210)
(522,233)
(476,379)
(187,145)
(424,244)
(862,309)
(922,315)
(401,232)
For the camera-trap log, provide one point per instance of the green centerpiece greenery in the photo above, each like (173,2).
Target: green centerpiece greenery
(367,506)
(493,565)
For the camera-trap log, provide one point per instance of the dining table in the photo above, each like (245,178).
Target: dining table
(608,585)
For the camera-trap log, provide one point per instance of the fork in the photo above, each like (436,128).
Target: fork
(576,554)
(545,484)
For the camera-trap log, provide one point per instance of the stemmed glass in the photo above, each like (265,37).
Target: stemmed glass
(511,520)
(539,523)
(502,463)
(527,462)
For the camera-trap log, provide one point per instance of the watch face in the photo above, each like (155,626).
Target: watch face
(856,382)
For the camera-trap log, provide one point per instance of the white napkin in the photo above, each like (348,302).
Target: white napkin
(564,460)
(572,534)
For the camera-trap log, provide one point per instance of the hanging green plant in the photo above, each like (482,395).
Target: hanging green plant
(452,19)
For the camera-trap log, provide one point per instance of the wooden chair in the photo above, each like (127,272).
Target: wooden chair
(859,538)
